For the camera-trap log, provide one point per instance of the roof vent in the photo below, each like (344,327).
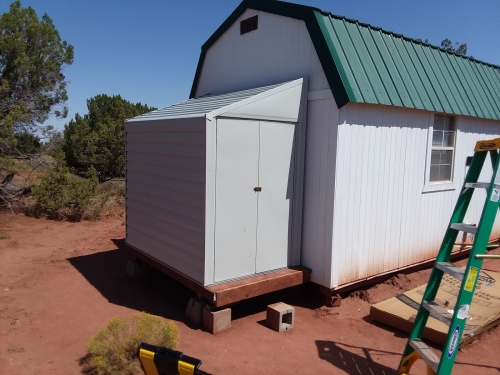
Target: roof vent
(250,24)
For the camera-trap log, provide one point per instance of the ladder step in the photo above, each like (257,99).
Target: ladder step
(468,228)
(438,312)
(450,269)
(477,185)
(425,353)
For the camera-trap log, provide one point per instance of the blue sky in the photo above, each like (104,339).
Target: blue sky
(147,51)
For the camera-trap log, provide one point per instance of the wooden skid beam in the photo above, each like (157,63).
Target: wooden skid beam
(191,284)
(234,291)
(253,286)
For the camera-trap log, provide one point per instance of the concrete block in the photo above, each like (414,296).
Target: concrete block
(136,268)
(333,301)
(194,310)
(216,321)
(280,316)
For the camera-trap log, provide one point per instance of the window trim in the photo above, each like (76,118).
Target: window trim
(439,185)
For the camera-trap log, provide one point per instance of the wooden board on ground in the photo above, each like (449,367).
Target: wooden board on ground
(400,311)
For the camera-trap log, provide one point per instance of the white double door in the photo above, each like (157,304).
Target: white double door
(254,181)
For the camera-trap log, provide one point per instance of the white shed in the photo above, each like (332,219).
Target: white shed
(215,184)
(389,122)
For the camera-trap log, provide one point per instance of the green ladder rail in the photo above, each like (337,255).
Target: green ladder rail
(416,348)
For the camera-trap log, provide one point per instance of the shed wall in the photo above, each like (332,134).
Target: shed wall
(166,192)
(382,220)
(279,50)
(319,188)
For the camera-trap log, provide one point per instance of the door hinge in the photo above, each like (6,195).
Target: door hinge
(258,188)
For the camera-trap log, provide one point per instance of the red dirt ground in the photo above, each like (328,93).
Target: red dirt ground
(60,282)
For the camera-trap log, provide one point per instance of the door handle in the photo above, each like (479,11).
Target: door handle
(258,188)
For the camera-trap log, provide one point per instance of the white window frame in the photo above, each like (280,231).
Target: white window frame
(439,185)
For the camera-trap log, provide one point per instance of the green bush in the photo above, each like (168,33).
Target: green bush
(27,143)
(64,196)
(113,350)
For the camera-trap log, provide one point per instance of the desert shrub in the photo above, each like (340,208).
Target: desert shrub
(114,188)
(93,208)
(113,350)
(62,195)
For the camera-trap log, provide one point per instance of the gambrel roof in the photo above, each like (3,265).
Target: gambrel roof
(366,64)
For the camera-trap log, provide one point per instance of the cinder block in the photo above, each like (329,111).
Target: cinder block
(136,268)
(194,310)
(333,301)
(280,316)
(216,321)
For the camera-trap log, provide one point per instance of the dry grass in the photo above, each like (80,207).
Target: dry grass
(114,188)
(113,350)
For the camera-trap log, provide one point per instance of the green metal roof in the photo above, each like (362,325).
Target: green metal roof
(365,64)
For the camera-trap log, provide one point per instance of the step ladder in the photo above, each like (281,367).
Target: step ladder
(416,348)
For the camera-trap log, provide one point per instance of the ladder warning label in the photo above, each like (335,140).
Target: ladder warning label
(496,194)
(471,279)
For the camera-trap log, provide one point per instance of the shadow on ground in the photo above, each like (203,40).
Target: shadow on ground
(155,293)
(346,358)
(161,295)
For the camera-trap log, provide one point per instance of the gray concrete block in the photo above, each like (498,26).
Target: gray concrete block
(216,321)
(194,310)
(280,316)
(136,268)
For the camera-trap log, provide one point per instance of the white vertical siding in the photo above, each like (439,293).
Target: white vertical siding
(166,192)
(381,219)
(321,135)
(279,50)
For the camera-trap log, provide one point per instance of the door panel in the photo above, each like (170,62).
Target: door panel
(276,180)
(236,200)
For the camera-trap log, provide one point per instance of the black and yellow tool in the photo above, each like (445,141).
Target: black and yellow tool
(156,360)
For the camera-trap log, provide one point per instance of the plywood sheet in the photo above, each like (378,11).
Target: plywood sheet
(399,312)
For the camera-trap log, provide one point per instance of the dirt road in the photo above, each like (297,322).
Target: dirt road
(60,282)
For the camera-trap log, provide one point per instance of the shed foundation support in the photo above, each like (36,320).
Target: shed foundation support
(194,310)
(136,268)
(280,316)
(216,321)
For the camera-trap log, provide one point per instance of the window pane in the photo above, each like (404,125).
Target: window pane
(437,138)
(445,172)
(441,157)
(434,176)
(441,162)
(448,138)
(448,123)
(435,157)
(440,173)
(439,122)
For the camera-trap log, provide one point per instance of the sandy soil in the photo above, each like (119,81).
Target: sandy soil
(60,282)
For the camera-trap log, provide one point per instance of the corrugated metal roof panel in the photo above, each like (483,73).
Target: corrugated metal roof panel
(367,64)
(383,67)
(198,107)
